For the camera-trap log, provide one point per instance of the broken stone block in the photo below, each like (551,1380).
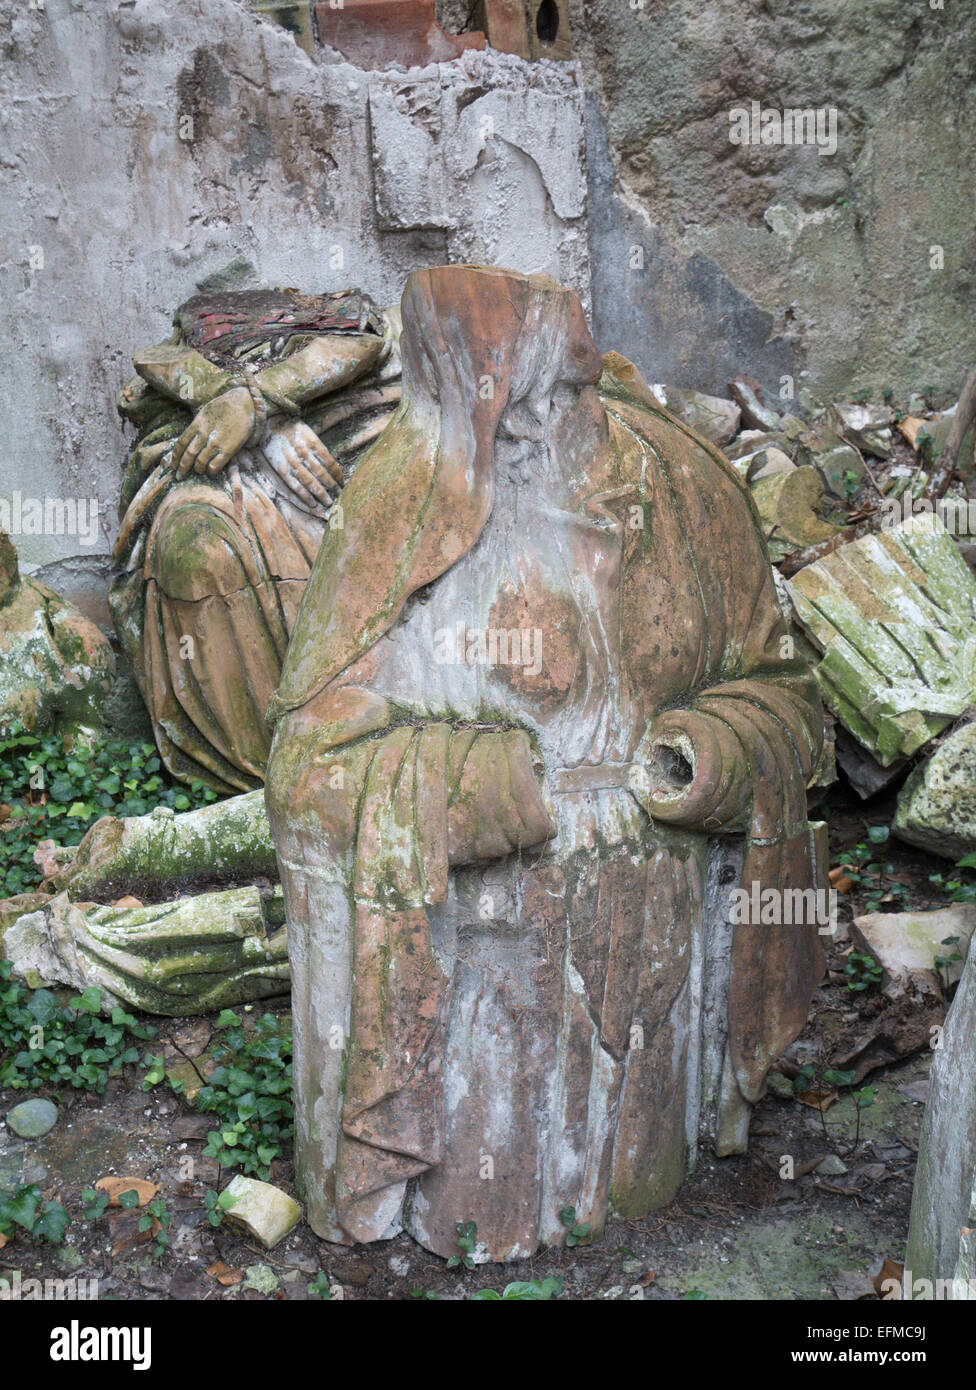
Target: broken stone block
(176,958)
(831,1167)
(153,855)
(937,805)
(824,774)
(262,1209)
(938,430)
(788,504)
(893,615)
(711,416)
(839,463)
(865,773)
(54,663)
(908,943)
(374,34)
(755,413)
(766,463)
(750,442)
(867,427)
(941,1244)
(743,451)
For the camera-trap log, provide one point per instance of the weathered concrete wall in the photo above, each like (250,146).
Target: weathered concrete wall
(145,144)
(776,258)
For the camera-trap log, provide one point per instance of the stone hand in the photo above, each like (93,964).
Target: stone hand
(215,433)
(298,457)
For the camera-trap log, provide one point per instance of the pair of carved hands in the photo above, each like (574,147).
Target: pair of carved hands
(293,451)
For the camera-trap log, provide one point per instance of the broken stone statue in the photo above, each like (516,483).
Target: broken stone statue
(535,678)
(893,615)
(183,957)
(249,419)
(941,1257)
(55,665)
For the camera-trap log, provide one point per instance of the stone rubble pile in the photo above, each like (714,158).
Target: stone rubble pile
(878,579)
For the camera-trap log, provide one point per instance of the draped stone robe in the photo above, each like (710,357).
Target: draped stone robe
(493,783)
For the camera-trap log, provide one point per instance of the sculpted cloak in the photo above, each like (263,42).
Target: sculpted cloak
(536,674)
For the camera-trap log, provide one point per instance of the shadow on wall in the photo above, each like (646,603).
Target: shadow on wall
(681,319)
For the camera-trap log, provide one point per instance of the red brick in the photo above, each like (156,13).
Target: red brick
(376,33)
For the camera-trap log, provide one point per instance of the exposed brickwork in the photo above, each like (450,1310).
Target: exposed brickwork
(376,33)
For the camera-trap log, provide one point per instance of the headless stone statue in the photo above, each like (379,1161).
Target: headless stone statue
(533,677)
(250,419)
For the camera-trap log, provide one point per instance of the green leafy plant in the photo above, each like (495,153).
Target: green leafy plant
(155,1065)
(874,880)
(535,1290)
(576,1233)
(94,1201)
(958,890)
(852,484)
(54,786)
(944,964)
(24,1207)
(320,1286)
(862,972)
(925,447)
(44,1042)
(807,1079)
(218,1204)
(250,1092)
(154,1218)
(467,1240)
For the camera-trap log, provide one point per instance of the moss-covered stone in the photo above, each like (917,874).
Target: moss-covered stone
(893,615)
(53,661)
(153,855)
(184,957)
(937,805)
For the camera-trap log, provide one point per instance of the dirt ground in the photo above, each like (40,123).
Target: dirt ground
(739,1229)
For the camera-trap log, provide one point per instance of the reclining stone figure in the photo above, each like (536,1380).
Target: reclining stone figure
(249,420)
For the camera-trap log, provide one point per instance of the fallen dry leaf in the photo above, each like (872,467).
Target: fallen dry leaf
(127,901)
(224,1274)
(839,880)
(146,1191)
(909,427)
(4,1240)
(890,1269)
(817,1100)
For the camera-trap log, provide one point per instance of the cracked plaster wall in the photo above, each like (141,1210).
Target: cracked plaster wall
(145,145)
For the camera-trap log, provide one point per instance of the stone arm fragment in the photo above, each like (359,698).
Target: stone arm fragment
(325,364)
(181,373)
